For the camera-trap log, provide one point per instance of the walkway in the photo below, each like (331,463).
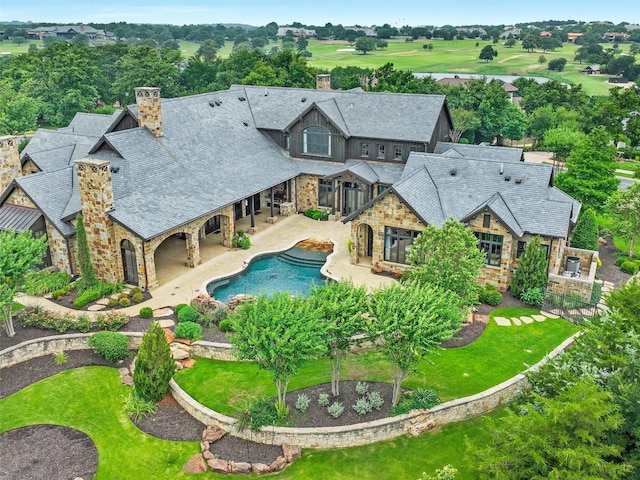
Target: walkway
(524,319)
(189,282)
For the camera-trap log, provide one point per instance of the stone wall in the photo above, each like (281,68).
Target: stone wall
(499,276)
(10,165)
(581,286)
(150,109)
(29,167)
(307,186)
(19,198)
(61,258)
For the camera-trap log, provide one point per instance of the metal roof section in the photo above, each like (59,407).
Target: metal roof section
(17,218)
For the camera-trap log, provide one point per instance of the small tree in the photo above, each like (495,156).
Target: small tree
(532,269)
(449,257)
(557,64)
(19,253)
(412,320)
(341,307)
(365,44)
(83,255)
(279,334)
(154,365)
(585,233)
(488,53)
(624,210)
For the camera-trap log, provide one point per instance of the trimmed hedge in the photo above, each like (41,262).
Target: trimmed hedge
(189,330)
(112,346)
(188,314)
(146,312)
(629,267)
(85,298)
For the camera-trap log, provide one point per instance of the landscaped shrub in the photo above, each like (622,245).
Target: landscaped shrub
(420,399)
(316,214)
(112,346)
(138,408)
(245,243)
(39,317)
(256,413)
(302,402)
(137,297)
(146,312)
(226,325)
(335,409)
(111,321)
(239,240)
(61,292)
(85,298)
(41,283)
(188,314)
(124,302)
(83,323)
(135,291)
(107,289)
(375,400)
(533,296)
(323,399)
(362,406)
(179,307)
(490,295)
(362,388)
(629,267)
(154,365)
(189,330)
(532,268)
(113,303)
(621,259)
(60,358)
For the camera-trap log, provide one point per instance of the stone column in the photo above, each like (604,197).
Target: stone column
(10,166)
(150,109)
(96,199)
(193,250)
(227,226)
(150,262)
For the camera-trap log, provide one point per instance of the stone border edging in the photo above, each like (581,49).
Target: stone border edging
(413,423)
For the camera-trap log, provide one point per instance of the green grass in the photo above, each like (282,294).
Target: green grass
(497,356)
(621,244)
(16,307)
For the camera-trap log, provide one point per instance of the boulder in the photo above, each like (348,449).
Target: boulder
(260,468)
(240,467)
(602,242)
(169,335)
(208,455)
(278,464)
(213,433)
(195,464)
(204,446)
(187,362)
(291,452)
(219,466)
(179,366)
(180,351)
(128,380)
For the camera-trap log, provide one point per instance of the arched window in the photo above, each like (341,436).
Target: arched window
(316,140)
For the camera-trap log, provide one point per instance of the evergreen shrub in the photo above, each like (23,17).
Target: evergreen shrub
(112,346)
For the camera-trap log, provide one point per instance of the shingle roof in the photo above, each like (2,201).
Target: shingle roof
(502,154)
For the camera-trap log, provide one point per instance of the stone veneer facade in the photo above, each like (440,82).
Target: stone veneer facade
(307,192)
(96,198)
(150,109)
(10,165)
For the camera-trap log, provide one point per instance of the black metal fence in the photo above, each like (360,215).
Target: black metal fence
(570,307)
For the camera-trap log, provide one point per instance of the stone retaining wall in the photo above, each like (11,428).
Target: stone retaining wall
(40,347)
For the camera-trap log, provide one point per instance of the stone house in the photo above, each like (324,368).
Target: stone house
(189,168)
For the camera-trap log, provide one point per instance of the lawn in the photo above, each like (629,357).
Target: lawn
(498,355)
(89,399)
(621,244)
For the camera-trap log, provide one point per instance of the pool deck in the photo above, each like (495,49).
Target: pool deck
(183,283)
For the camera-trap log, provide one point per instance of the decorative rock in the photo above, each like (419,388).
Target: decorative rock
(260,468)
(278,464)
(166,323)
(291,452)
(187,363)
(502,321)
(213,433)
(178,366)
(169,335)
(204,446)
(526,319)
(179,351)
(102,301)
(95,308)
(128,380)
(123,371)
(602,242)
(516,321)
(240,467)
(208,455)
(219,466)
(195,464)
(162,312)
(183,341)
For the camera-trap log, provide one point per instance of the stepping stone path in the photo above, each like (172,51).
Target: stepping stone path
(502,321)
(517,321)
(607,287)
(162,312)
(166,323)
(539,318)
(550,315)
(96,307)
(526,319)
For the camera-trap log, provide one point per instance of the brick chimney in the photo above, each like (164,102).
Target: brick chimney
(149,109)
(323,81)
(10,165)
(96,200)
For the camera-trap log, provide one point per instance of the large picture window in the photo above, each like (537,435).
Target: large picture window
(316,140)
(492,246)
(325,193)
(397,242)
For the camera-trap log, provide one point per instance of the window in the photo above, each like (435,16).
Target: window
(397,152)
(415,148)
(325,193)
(522,246)
(397,242)
(382,188)
(364,149)
(316,140)
(486,221)
(286,141)
(380,150)
(492,246)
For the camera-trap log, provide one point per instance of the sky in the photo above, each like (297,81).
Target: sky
(318,12)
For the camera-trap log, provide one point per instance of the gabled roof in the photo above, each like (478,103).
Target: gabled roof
(90,124)
(360,170)
(502,154)
(497,204)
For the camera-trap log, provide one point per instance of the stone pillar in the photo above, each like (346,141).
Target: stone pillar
(227,226)
(150,262)
(150,109)
(96,199)
(10,166)
(193,249)
(323,81)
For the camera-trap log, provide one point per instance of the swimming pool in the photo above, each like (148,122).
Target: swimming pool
(295,270)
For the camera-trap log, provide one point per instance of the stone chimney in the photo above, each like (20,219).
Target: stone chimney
(149,109)
(10,165)
(96,200)
(323,81)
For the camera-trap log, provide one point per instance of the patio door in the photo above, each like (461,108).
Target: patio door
(355,195)
(129,263)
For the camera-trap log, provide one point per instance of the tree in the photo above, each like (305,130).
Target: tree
(412,320)
(532,269)
(548,43)
(341,307)
(83,254)
(463,120)
(557,64)
(585,233)
(565,437)
(447,257)
(365,44)
(562,140)
(19,40)
(302,43)
(590,176)
(529,43)
(19,253)
(624,211)
(154,365)
(510,42)
(279,334)
(488,53)
(18,111)
(207,51)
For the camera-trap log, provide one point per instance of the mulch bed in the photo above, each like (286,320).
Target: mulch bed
(67,301)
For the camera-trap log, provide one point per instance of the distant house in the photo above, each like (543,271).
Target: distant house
(591,69)
(572,37)
(511,33)
(457,81)
(67,32)
(615,36)
(545,34)
(297,32)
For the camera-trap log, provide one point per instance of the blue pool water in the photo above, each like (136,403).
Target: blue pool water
(295,270)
